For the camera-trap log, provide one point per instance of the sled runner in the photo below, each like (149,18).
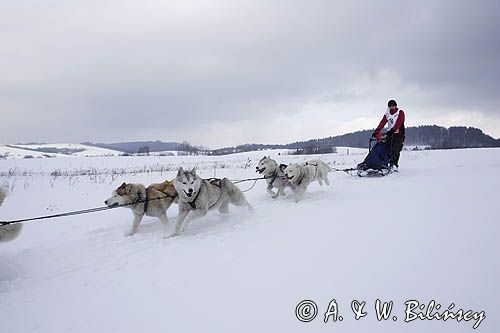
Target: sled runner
(376,163)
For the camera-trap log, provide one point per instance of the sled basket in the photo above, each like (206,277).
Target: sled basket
(376,163)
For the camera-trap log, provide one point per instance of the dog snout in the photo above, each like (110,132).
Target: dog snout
(105,202)
(190,190)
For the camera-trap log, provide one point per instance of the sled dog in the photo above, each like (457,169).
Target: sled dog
(151,201)
(10,231)
(301,175)
(197,196)
(275,177)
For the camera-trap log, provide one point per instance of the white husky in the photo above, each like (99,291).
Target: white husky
(275,177)
(197,196)
(10,231)
(301,175)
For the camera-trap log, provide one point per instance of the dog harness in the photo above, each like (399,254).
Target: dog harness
(214,181)
(315,170)
(146,202)
(146,199)
(274,176)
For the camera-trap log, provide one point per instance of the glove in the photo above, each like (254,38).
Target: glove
(378,136)
(374,134)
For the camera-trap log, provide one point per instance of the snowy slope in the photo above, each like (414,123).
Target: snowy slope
(20,151)
(17,153)
(427,233)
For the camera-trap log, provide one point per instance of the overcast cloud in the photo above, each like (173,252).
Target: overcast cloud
(220,73)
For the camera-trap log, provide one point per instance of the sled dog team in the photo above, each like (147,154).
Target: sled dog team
(196,196)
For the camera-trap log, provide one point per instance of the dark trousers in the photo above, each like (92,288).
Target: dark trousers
(396,144)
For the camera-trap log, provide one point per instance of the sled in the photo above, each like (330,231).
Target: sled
(376,163)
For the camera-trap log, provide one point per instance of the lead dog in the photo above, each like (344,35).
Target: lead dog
(10,231)
(151,201)
(197,196)
(275,177)
(301,175)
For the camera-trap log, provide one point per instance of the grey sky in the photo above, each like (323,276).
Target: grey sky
(221,73)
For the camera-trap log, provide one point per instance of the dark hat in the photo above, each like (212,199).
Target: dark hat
(392,103)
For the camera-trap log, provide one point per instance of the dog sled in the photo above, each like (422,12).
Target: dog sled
(376,163)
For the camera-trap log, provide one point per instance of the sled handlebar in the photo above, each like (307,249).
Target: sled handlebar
(372,139)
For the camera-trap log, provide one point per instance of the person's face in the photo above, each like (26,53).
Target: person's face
(392,107)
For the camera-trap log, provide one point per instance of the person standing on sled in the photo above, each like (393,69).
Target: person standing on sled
(394,118)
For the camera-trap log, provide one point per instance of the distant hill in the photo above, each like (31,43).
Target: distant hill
(433,137)
(134,147)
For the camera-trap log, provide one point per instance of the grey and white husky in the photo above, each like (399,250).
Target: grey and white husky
(10,231)
(301,175)
(274,174)
(197,196)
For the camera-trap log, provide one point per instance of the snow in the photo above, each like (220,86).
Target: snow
(22,150)
(13,152)
(429,232)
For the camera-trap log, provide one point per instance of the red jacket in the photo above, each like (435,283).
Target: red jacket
(399,122)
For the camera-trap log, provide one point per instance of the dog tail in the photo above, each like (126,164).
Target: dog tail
(236,197)
(11,231)
(3,194)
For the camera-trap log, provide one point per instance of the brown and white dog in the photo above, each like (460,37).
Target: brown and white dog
(11,231)
(151,201)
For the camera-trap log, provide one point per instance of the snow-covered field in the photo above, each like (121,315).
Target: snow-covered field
(29,151)
(427,233)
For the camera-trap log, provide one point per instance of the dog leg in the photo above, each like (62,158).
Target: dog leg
(180,219)
(194,215)
(135,224)
(164,219)
(327,181)
(281,190)
(224,208)
(270,191)
(300,193)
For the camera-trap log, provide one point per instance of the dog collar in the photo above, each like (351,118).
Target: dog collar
(274,176)
(192,203)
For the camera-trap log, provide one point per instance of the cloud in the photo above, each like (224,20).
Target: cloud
(220,73)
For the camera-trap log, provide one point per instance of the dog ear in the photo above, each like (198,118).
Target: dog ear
(180,171)
(128,188)
(193,171)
